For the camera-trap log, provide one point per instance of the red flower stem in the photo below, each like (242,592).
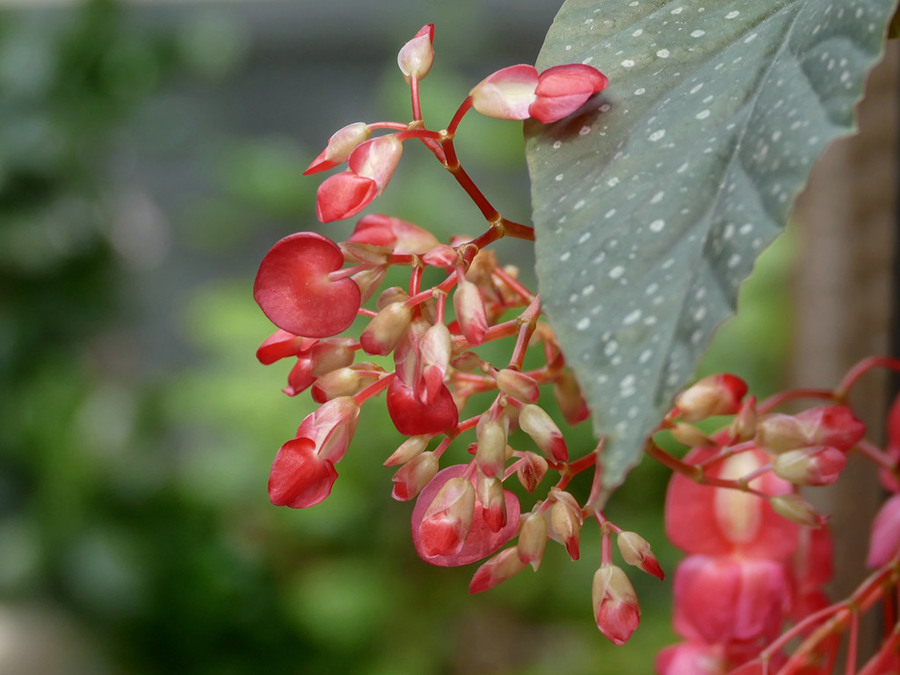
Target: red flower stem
(362,311)
(373,389)
(416,130)
(778,399)
(442,446)
(696,472)
(414,95)
(852,644)
(597,495)
(726,452)
(346,272)
(415,280)
(860,369)
(606,549)
(399,126)
(879,457)
(526,330)
(464,107)
(441,289)
(514,284)
(890,646)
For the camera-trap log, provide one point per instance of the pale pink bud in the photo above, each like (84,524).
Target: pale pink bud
(467,362)
(816,465)
(410,448)
(713,395)
(340,145)
(533,540)
(386,328)
(616,607)
(535,422)
(835,426)
(417,55)
(331,354)
(565,521)
(743,427)
(885,539)
(445,525)
(498,569)
(470,311)
(795,508)
(331,427)
(636,551)
(531,470)
(413,476)
(391,295)
(518,385)
(343,382)
(506,94)
(492,498)
(569,398)
(377,159)
(369,281)
(491,450)
(355,252)
(691,436)
(435,350)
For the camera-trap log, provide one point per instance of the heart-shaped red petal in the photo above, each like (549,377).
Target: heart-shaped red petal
(293,289)
(481,540)
(412,417)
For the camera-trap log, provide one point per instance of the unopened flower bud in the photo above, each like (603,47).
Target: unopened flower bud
(435,350)
(341,144)
(616,607)
(565,522)
(498,569)
(369,281)
(345,381)
(795,508)
(636,551)
(531,470)
(357,252)
(331,354)
(410,448)
(535,422)
(414,475)
(492,498)
(386,328)
(713,395)
(447,520)
(816,465)
(569,398)
(467,362)
(442,256)
(470,312)
(518,385)
(835,426)
(491,451)
(532,540)
(743,426)
(389,296)
(417,55)
(691,436)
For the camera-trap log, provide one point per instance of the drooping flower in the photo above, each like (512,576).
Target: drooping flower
(372,164)
(616,608)
(300,477)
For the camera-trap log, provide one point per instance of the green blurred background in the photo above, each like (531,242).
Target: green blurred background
(149,155)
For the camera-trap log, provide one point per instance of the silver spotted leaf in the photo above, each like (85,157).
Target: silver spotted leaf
(652,203)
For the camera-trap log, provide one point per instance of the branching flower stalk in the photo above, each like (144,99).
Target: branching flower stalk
(748,596)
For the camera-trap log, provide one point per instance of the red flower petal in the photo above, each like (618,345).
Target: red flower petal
(293,289)
(412,417)
(343,195)
(299,477)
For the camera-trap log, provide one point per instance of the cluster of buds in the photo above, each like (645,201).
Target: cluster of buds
(315,291)
(758,553)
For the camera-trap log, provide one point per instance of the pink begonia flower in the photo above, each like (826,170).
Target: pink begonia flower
(341,144)
(835,426)
(887,478)
(498,569)
(720,521)
(412,417)
(470,312)
(293,287)
(417,56)
(300,477)
(400,236)
(690,658)
(816,465)
(729,599)
(372,164)
(331,427)
(713,395)
(518,92)
(480,542)
(282,344)
(885,539)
